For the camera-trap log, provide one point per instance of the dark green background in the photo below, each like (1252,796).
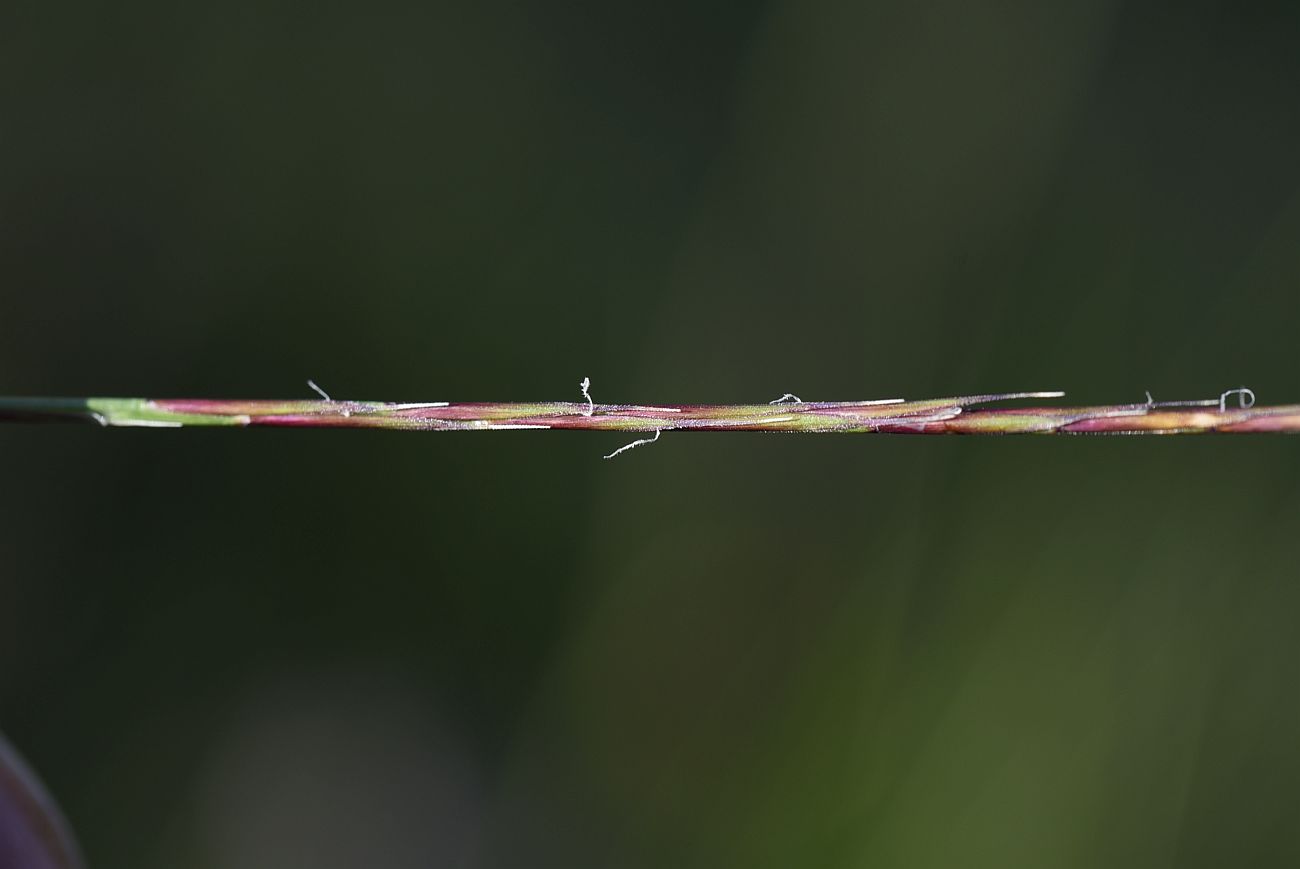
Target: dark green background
(231,649)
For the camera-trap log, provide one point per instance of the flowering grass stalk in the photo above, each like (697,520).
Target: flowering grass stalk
(963,415)
(33,834)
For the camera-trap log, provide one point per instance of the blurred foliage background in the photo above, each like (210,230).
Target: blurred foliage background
(229,649)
